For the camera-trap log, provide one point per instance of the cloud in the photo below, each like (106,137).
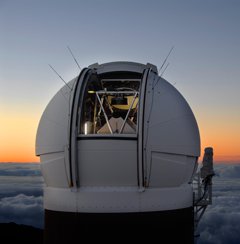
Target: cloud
(221,229)
(230,171)
(221,221)
(21,194)
(12,186)
(22,209)
(13,169)
(20,178)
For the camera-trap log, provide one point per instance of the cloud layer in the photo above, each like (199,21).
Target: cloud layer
(22,209)
(221,221)
(21,201)
(12,169)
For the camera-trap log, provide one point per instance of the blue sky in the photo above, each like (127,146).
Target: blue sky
(206,36)
(204,65)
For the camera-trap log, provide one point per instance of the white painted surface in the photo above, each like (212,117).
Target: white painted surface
(170,125)
(120,66)
(170,170)
(54,170)
(117,199)
(107,162)
(52,133)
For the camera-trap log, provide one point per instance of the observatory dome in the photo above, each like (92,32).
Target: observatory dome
(118,138)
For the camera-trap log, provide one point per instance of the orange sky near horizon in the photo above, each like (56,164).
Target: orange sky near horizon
(18,132)
(222,132)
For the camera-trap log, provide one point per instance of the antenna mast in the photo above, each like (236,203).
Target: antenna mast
(60,76)
(164,70)
(74,57)
(165,60)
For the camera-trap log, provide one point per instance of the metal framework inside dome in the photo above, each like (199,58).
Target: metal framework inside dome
(110,106)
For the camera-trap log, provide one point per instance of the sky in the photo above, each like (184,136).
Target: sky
(204,65)
(21,201)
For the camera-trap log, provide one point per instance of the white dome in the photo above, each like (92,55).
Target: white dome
(120,131)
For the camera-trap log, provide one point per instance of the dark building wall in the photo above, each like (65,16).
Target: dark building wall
(153,227)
